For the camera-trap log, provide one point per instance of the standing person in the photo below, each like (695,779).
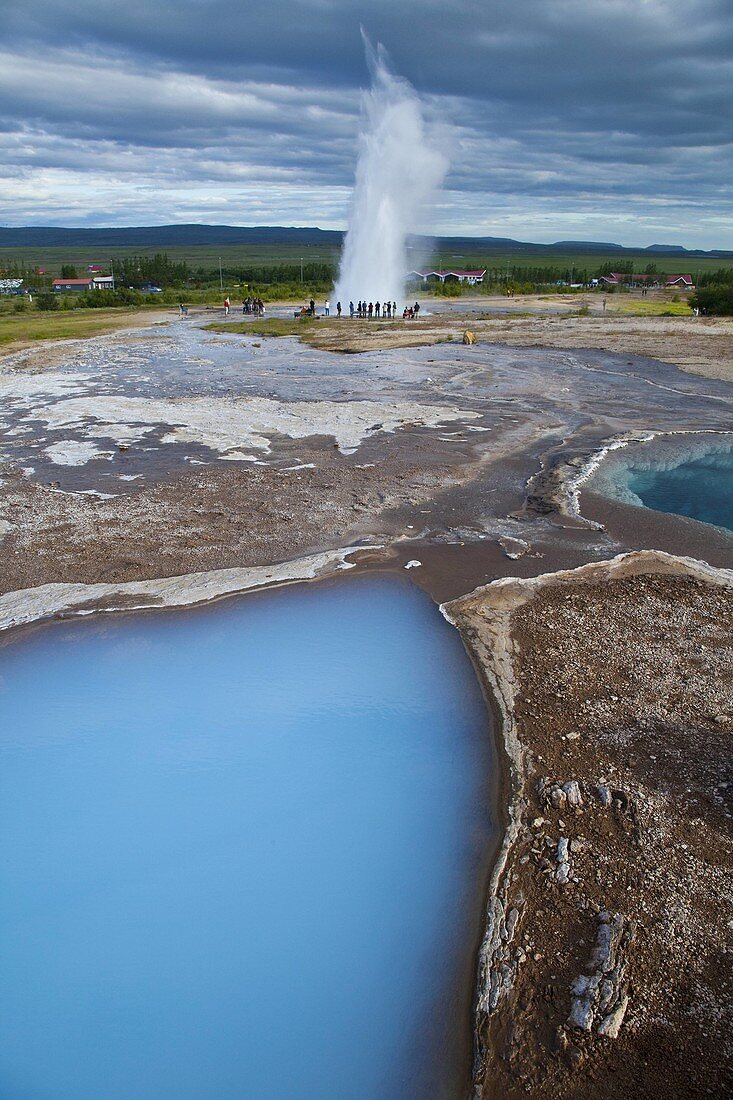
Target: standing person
(388,307)
(227,304)
(376,309)
(312,308)
(351,310)
(416,310)
(604,305)
(338,309)
(394,309)
(327,308)
(370,310)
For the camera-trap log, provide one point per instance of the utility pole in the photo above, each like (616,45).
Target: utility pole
(221,277)
(301,269)
(112,271)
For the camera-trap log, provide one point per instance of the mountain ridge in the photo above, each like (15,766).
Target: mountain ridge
(194,233)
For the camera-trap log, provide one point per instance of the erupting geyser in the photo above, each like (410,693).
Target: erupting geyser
(399,170)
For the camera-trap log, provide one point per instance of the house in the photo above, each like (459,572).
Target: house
(626,278)
(68,286)
(683,281)
(454,276)
(97,282)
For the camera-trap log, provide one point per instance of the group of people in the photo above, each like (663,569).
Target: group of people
(253,305)
(364,310)
(373,309)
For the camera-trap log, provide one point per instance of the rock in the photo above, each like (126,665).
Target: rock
(413,564)
(604,795)
(610,1025)
(572,793)
(558,798)
(583,991)
(511,923)
(514,548)
(469,337)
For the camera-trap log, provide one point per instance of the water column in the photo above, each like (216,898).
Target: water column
(399,171)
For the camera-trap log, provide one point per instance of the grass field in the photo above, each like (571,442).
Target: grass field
(24,329)
(207,256)
(196,256)
(271,326)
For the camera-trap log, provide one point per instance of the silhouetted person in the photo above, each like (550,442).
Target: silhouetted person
(312,308)
(376,309)
(351,309)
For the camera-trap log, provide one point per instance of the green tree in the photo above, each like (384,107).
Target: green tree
(714,300)
(68,271)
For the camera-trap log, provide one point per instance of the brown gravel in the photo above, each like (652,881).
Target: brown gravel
(625,688)
(217,519)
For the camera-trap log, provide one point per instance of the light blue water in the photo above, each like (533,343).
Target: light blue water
(242,851)
(701,488)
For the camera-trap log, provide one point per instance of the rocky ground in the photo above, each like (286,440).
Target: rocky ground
(216,519)
(606,969)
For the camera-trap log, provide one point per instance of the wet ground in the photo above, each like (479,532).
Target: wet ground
(188,430)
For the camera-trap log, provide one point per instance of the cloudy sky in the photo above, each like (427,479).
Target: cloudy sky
(569,119)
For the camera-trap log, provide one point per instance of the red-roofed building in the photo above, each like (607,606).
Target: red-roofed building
(70,286)
(683,281)
(457,275)
(626,278)
(64,286)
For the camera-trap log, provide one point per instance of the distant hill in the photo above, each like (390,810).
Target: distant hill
(154,236)
(162,236)
(591,246)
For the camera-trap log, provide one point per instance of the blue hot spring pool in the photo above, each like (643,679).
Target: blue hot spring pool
(243,851)
(688,475)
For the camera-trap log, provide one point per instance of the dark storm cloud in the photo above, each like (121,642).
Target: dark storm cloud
(615,111)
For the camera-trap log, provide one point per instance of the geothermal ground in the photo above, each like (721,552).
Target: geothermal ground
(177,450)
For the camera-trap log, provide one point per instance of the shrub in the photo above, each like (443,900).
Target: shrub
(716,301)
(47,300)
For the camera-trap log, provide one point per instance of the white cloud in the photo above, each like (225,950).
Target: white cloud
(568,119)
